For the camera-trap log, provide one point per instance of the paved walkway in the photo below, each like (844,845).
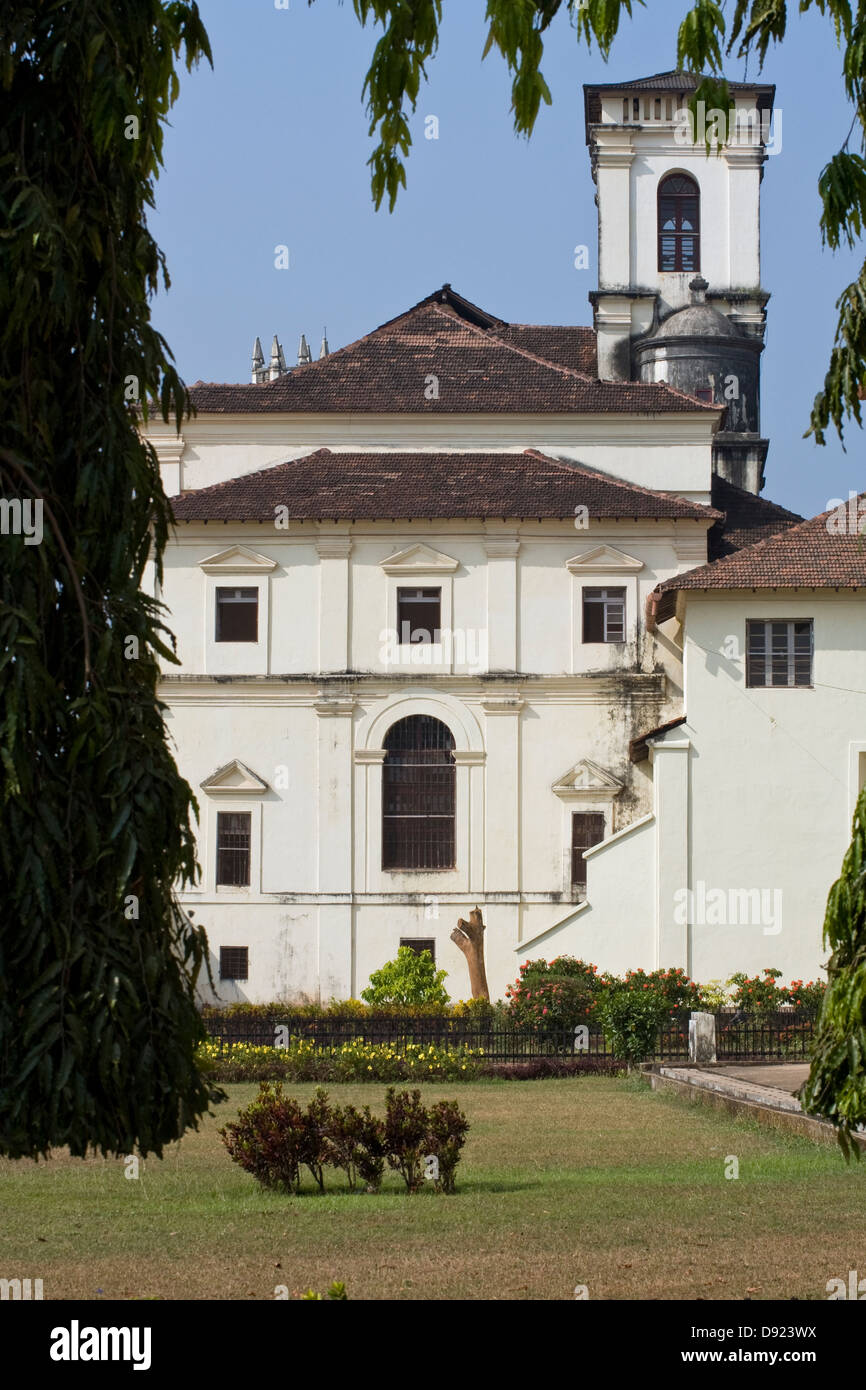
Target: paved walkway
(779,1076)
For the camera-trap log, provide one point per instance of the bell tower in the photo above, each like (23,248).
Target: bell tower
(679,295)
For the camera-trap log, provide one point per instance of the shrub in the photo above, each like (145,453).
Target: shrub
(714,996)
(806,996)
(631,1019)
(555,996)
(756,994)
(446,1135)
(357,1141)
(274,1138)
(409,979)
(673,987)
(336,1293)
(270,1139)
(406,1126)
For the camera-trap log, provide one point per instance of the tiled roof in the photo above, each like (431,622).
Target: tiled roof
(674,80)
(442,345)
(748,518)
(566,346)
(399,486)
(810,555)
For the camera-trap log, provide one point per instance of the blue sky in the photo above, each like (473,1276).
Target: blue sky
(271,146)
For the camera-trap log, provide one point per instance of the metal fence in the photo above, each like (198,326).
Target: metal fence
(738,1036)
(774,1035)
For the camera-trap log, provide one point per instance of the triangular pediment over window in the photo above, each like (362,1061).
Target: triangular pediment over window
(587,779)
(604,558)
(234,779)
(238,559)
(420,559)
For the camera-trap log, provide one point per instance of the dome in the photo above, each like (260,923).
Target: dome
(696,321)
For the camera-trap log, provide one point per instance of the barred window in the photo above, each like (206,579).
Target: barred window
(679,216)
(419,615)
(420,944)
(418,795)
(237,615)
(604,615)
(779,653)
(234,963)
(233,848)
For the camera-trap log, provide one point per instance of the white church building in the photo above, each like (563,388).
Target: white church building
(471,612)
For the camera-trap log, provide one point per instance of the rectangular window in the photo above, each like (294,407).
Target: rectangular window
(604,615)
(237,615)
(587,829)
(233,848)
(779,653)
(234,963)
(419,944)
(419,615)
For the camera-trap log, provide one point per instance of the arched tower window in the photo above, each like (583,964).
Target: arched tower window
(679,218)
(418,795)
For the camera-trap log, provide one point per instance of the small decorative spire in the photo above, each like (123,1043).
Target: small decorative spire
(324,350)
(278,362)
(304,354)
(258,365)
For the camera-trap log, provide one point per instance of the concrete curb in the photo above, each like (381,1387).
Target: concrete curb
(777,1109)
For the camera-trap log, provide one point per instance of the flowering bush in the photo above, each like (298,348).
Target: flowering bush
(673,987)
(757,994)
(354,1060)
(805,996)
(555,995)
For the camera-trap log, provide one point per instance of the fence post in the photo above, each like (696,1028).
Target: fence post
(702,1038)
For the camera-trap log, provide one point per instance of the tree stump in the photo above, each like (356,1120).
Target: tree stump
(469,936)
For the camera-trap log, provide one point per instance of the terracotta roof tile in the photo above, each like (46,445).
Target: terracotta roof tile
(822,553)
(399,486)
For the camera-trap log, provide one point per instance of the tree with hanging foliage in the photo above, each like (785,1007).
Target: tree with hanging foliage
(98,966)
(836,1087)
(518,29)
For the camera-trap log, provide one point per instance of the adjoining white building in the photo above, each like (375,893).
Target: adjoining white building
(432,596)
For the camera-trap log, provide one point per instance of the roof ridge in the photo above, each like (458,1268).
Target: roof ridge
(622,483)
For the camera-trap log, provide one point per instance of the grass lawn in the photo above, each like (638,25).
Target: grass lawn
(596,1181)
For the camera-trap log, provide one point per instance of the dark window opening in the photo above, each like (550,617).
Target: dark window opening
(604,615)
(234,963)
(419,615)
(419,944)
(587,829)
(237,615)
(233,848)
(705,394)
(779,653)
(418,795)
(679,215)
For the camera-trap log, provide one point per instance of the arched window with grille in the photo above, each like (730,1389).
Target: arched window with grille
(679,218)
(418,795)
